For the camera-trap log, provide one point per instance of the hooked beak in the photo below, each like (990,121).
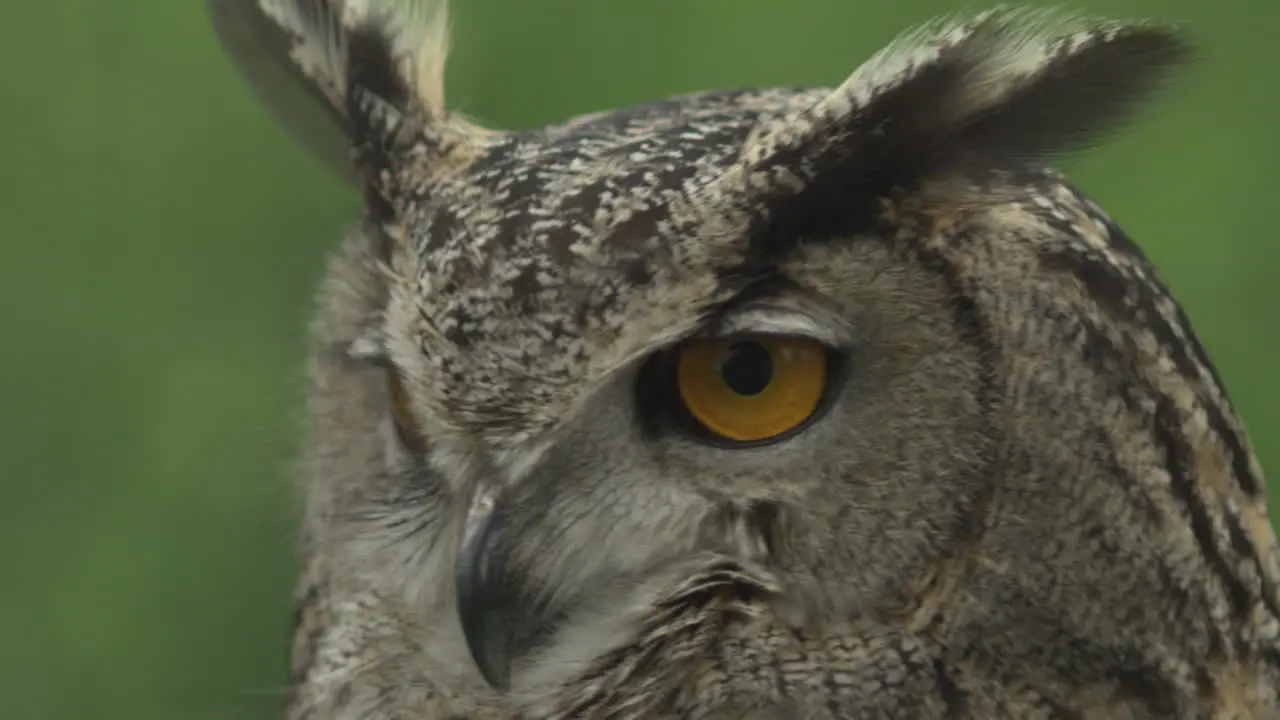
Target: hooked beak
(501,616)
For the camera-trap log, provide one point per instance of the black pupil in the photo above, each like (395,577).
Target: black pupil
(747,368)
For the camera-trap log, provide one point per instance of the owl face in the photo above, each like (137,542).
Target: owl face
(817,356)
(614,358)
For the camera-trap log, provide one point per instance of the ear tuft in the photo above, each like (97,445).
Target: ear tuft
(348,74)
(1006,90)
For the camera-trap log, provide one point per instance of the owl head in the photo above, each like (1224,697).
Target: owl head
(608,389)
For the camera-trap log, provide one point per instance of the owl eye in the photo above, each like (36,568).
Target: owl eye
(401,410)
(753,388)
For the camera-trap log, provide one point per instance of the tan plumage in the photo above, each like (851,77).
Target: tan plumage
(1024,494)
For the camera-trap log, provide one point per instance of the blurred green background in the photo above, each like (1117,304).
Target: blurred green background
(162,241)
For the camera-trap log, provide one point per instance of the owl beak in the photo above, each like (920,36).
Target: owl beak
(498,618)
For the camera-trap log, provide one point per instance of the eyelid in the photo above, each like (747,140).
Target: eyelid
(766,320)
(396,455)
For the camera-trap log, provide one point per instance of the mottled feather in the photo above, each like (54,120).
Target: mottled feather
(1029,496)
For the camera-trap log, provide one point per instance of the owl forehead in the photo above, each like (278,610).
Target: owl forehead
(562,252)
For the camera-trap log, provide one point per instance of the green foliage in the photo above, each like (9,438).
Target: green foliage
(163,240)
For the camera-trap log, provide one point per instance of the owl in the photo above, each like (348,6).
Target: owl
(774,403)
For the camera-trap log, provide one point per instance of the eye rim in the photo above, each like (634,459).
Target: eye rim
(659,398)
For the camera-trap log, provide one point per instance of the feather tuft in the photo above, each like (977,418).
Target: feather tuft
(344,74)
(1006,90)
